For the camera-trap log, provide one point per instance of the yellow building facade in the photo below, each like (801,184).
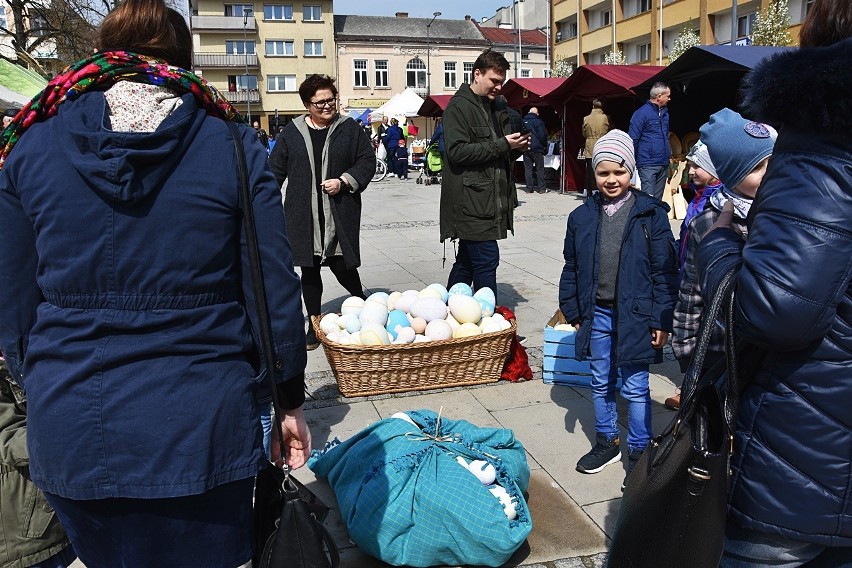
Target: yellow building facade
(258,53)
(585,31)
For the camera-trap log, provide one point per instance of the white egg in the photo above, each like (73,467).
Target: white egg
(498,316)
(328,323)
(438,330)
(392,298)
(353,324)
(462,462)
(505,324)
(505,500)
(421,339)
(373,313)
(406,417)
(483,471)
(465,309)
(352,305)
(379,297)
(374,334)
(440,288)
(404,335)
(404,302)
(454,324)
(467,330)
(430,293)
(344,319)
(429,309)
(489,325)
(564,327)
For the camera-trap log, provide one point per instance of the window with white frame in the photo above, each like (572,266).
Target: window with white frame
(277,11)
(238,10)
(467,72)
(311,13)
(415,73)
(643,51)
(239,47)
(450,75)
(381,66)
(526,73)
(313,47)
(745,24)
(606,18)
(279,47)
(281,83)
(644,6)
(360,66)
(243,82)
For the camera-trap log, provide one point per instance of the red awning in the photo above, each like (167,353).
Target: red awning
(434,105)
(590,81)
(522,92)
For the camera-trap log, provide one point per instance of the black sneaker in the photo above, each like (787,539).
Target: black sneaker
(632,460)
(604,453)
(311,340)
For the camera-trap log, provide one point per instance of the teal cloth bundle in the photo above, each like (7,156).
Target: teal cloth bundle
(408,502)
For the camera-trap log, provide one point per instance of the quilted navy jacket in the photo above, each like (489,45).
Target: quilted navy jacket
(793,448)
(649,129)
(124,302)
(647,277)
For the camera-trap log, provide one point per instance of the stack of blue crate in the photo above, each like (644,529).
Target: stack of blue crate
(560,365)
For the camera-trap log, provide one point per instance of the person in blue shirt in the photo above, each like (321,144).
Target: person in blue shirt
(649,129)
(534,157)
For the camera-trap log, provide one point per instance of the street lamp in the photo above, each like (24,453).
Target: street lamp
(429,54)
(246,12)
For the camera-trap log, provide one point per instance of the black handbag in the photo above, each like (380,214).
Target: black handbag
(288,518)
(675,501)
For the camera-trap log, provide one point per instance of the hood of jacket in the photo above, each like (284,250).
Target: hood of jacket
(805,90)
(124,167)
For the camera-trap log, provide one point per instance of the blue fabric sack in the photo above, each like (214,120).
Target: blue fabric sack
(408,502)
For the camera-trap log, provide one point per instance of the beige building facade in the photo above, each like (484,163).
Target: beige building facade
(645,30)
(258,53)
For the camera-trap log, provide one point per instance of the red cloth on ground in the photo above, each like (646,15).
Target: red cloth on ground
(517,364)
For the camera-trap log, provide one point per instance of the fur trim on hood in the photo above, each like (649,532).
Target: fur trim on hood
(808,90)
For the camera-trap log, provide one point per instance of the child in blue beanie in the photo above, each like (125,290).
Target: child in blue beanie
(739,150)
(618,288)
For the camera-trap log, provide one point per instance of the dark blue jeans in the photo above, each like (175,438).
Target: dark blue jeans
(745,548)
(476,263)
(534,160)
(653,179)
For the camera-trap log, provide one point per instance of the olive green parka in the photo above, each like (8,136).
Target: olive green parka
(478,194)
(29,530)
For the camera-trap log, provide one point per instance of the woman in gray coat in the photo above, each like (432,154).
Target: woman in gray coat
(323,161)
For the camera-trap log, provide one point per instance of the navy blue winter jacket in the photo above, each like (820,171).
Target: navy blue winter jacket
(649,129)
(127,303)
(792,466)
(647,277)
(538,138)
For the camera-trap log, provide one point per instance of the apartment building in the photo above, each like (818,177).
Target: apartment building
(258,53)
(380,56)
(645,30)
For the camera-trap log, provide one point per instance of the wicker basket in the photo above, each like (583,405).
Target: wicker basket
(367,370)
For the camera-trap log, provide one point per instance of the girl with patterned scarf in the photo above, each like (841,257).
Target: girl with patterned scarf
(127,320)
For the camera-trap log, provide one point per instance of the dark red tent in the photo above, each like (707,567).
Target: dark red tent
(523,92)
(434,105)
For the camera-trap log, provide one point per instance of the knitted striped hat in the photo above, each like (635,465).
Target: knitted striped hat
(615,146)
(699,156)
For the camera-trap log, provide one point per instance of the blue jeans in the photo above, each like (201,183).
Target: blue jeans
(746,548)
(634,389)
(476,262)
(266,424)
(653,179)
(534,160)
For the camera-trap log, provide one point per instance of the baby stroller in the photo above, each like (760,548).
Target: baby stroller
(432,164)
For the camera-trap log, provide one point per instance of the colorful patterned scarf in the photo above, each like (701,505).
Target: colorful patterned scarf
(101,71)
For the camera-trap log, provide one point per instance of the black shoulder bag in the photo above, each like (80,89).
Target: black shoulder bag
(287,515)
(675,503)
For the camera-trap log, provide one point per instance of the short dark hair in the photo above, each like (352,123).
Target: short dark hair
(597,103)
(827,22)
(490,59)
(148,27)
(314,83)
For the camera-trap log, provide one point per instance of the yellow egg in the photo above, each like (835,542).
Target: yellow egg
(467,330)
(465,309)
(430,293)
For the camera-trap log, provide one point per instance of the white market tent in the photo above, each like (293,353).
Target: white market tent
(400,106)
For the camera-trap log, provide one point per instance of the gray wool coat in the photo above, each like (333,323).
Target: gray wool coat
(347,153)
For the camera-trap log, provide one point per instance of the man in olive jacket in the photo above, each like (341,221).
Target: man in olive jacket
(29,530)
(478,193)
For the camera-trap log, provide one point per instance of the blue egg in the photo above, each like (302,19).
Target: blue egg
(460,288)
(487,307)
(395,318)
(486,294)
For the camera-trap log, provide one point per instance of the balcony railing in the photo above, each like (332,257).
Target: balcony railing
(223,23)
(252,96)
(227,60)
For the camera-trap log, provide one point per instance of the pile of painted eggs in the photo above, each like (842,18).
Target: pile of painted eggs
(431,314)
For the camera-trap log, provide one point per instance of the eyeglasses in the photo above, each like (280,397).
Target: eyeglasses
(325,103)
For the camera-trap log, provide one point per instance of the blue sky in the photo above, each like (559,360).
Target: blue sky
(450,9)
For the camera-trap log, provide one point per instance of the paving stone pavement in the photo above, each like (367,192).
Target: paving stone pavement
(573,514)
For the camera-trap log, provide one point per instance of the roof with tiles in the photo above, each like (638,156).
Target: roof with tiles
(392,28)
(507,36)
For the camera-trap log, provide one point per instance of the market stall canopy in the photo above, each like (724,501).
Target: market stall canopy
(401,105)
(18,85)
(593,81)
(529,91)
(705,79)
(434,105)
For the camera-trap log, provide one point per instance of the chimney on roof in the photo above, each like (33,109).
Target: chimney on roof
(467,18)
(402,14)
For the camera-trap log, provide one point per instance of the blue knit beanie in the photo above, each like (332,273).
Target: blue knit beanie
(736,145)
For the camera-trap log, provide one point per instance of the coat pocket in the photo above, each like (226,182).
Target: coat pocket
(642,307)
(478,200)
(37,512)
(481,133)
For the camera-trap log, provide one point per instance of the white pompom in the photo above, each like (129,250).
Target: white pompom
(483,471)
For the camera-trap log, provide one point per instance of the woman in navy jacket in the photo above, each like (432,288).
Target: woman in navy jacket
(128,311)
(791,490)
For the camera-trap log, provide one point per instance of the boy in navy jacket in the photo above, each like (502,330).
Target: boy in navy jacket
(618,288)
(402,160)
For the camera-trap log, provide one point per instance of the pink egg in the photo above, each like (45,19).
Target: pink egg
(418,324)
